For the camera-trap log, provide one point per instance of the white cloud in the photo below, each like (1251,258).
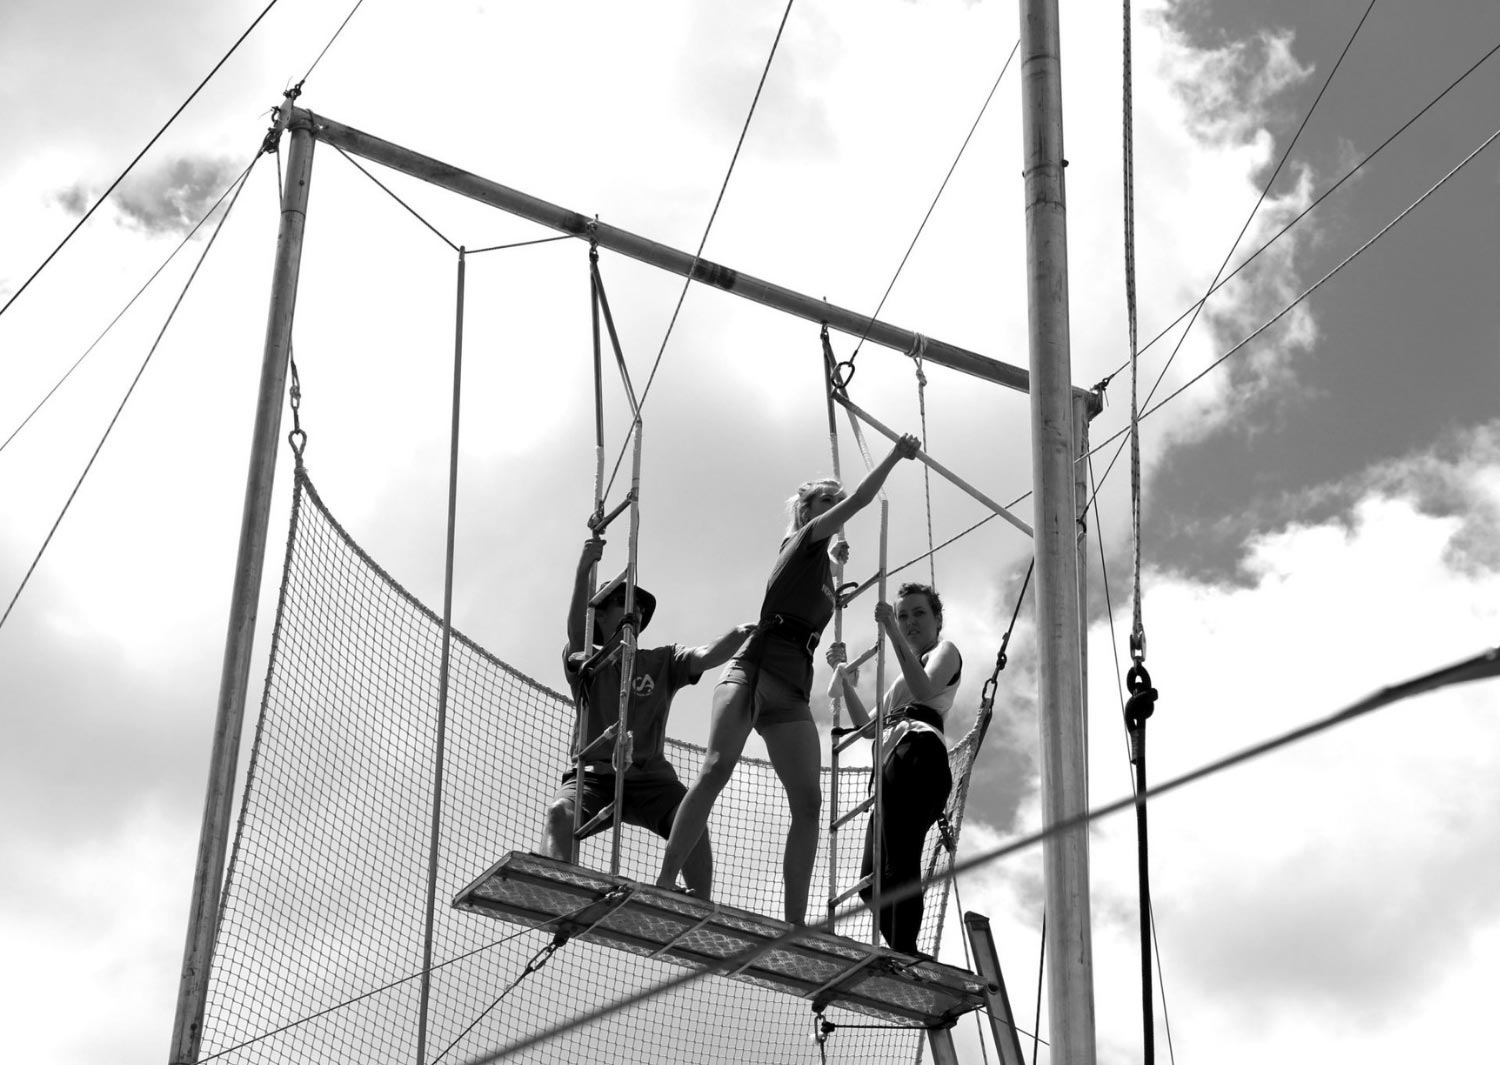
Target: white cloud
(1324,895)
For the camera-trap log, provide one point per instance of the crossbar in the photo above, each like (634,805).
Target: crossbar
(356,142)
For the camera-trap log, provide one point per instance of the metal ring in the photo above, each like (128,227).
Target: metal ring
(839,378)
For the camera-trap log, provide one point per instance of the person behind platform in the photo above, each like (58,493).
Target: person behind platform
(652,791)
(915,777)
(768,684)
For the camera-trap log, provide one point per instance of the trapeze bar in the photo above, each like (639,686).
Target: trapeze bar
(937,466)
(647,251)
(542,892)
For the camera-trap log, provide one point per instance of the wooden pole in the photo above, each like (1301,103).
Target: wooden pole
(213,838)
(647,251)
(1063,758)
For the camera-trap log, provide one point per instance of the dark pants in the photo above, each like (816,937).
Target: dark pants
(916,785)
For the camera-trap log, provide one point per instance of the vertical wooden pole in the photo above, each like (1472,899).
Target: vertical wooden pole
(213,838)
(1063,761)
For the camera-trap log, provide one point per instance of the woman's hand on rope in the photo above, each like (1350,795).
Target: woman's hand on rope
(839,551)
(838,658)
(593,551)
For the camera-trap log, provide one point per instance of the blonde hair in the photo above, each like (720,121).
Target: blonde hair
(796,506)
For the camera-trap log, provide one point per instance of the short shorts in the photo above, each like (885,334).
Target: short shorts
(782,683)
(650,802)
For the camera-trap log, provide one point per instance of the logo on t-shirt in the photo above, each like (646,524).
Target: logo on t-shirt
(643,685)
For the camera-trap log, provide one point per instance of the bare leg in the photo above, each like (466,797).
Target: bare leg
(557,830)
(698,870)
(796,757)
(726,740)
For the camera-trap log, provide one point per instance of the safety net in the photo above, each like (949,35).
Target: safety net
(323,918)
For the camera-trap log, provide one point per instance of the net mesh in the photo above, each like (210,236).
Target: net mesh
(320,942)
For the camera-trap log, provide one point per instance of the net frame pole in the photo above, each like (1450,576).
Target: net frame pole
(877,756)
(440,739)
(1064,768)
(358,143)
(213,839)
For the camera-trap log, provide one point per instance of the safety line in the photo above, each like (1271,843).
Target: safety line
(688,277)
(1287,228)
(1482,666)
(128,393)
(115,184)
(1348,174)
(933,206)
(398,199)
(139,293)
(386,987)
(1237,347)
(1305,293)
(1114,647)
(1264,192)
(329,45)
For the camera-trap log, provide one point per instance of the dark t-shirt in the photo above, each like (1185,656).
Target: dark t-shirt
(659,672)
(801,584)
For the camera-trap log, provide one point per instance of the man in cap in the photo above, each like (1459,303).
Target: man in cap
(652,791)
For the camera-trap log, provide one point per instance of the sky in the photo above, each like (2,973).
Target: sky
(1320,513)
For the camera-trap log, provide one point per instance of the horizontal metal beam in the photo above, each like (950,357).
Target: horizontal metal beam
(680,263)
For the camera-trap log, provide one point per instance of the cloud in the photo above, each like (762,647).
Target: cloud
(1332,878)
(169,198)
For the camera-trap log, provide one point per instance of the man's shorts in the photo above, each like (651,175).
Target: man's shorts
(781,684)
(650,801)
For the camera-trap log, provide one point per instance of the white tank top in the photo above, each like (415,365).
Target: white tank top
(899,695)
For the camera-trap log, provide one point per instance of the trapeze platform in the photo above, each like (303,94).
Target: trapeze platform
(823,968)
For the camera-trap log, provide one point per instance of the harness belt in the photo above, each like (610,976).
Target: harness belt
(916,712)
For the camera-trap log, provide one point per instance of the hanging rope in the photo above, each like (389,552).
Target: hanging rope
(916,354)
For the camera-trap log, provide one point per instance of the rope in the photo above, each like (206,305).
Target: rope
(538,960)
(129,391)
(130,303)
(931,207)
(1290,306)
(411,210)
(1135,786)
(1264,192)
(1216,284)
(1482,666)
(329,45)
(926,473)
(115,184)
(723,188)
(1348,174)
(394,983)
(1138,631)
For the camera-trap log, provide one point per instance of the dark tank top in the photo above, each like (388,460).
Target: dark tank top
(801,584)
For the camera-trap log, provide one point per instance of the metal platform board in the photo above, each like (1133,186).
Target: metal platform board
(826,969)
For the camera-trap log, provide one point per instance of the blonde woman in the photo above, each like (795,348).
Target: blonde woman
(768,683)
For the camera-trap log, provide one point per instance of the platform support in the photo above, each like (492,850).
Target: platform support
(940,1042)
(987,962)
